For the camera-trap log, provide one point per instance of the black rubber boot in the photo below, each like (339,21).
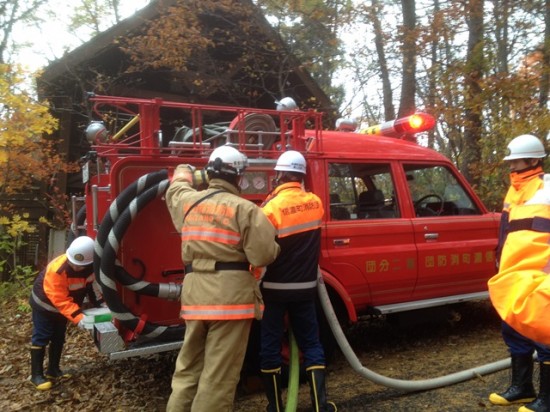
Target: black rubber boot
(37,369)
(54,358)
(316,378)
(272,385)
(542,403)
(521,389)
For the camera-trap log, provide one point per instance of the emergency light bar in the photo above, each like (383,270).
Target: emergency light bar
(415,123)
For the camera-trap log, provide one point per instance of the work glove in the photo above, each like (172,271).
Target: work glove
(184,171)
(81,324)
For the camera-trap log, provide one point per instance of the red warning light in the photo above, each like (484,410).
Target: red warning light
(415,123)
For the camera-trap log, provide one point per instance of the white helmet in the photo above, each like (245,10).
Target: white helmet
(286,103)
(291,161)
(525,146)
(96,132)
(81,251)
(227,160)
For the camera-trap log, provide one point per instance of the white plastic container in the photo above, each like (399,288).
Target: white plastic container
(96,315)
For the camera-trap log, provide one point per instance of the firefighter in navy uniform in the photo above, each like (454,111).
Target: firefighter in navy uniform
(57,296)
(525,154)
(289,285)
(222,235)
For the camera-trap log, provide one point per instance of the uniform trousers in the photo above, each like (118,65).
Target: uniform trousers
(208,365)
(303,321)
(520,345)
(48,327)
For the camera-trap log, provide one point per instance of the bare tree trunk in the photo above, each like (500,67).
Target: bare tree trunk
(545,76)
(502,13)
(473,100)
(432,78)
(389,110)
(407,104)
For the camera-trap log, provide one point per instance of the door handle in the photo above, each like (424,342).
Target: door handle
(341,242)
(431,236)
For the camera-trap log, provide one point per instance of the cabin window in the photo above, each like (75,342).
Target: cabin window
(362,191)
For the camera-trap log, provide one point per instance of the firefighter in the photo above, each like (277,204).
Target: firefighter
(57,296)
(222,235)
(289,285)
(525,157)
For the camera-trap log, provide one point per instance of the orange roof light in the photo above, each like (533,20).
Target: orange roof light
(415,123)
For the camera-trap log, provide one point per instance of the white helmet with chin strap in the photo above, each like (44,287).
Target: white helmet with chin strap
(227,160)
(525,146)
(81,251)
(291,161)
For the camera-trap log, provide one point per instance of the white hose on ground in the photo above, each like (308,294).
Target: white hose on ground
(405,385)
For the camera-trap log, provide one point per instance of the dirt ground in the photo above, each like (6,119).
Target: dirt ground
(467,337)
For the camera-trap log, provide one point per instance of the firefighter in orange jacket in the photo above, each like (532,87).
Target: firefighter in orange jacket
(222,235)
(289,285)
(516,253)
(57,296)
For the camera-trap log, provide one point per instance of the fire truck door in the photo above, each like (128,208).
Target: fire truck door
(369,247)
(455,238)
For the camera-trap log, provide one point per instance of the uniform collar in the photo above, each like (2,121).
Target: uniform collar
(218,184)
(280,188)
(288,185)
(517,180)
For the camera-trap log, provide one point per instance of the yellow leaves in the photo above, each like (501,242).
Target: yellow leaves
(25,122)
(17,225)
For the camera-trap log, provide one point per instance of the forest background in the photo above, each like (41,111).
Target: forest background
(480,67)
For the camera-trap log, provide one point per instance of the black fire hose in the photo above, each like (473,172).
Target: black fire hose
(110,234)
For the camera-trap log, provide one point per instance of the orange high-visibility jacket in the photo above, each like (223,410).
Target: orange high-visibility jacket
(60,289)
(522,188)
(222,228)
(297,215)
(520,292)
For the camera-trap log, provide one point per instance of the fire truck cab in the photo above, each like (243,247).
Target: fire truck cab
(402,230)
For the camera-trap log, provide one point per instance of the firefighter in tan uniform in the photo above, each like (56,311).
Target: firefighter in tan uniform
(289,286)
(222,236)
(523,266)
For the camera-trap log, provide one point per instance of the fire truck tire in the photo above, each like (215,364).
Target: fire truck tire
(108,239)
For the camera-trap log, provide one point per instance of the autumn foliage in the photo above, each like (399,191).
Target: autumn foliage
(27,155)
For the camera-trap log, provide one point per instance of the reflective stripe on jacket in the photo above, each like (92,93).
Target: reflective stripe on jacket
(297,215)
(523,186)
(221,228)
(58,288)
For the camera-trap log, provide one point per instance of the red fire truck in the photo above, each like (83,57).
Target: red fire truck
(403,230)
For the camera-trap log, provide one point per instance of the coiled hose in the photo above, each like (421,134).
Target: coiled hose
(111,232)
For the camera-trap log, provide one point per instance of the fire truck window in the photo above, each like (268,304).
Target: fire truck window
(437,192)
(361,191)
